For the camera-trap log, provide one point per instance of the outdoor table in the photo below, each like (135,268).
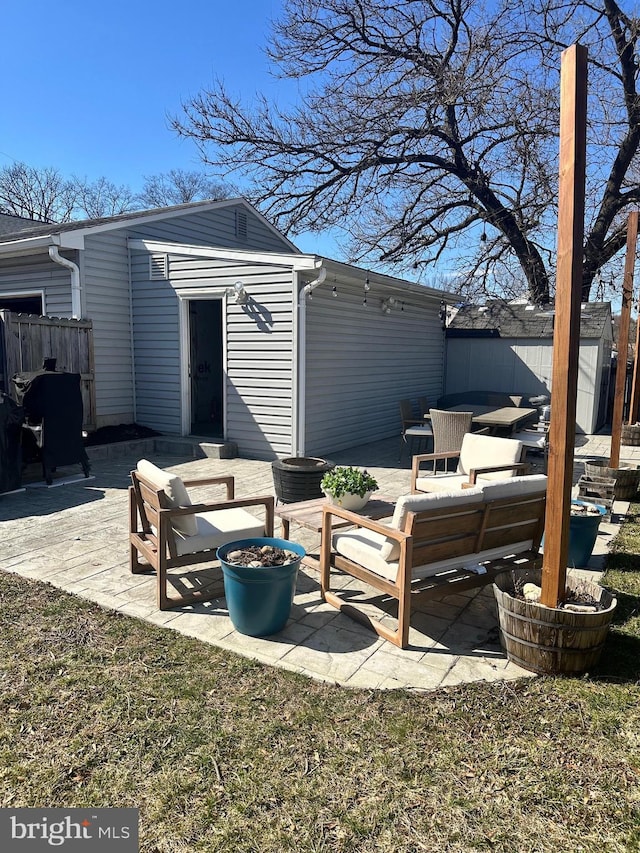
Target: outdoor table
(503,417)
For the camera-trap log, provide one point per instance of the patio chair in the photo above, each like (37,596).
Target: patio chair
(481,458)
(423,405)
(413,429)
(449,428)
(170,532)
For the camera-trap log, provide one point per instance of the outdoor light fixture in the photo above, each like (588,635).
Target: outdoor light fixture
(442,313)
(239,293)
(387,304)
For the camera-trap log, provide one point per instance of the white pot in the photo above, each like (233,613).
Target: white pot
(349,501)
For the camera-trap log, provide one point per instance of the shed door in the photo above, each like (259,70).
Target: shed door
(205,330)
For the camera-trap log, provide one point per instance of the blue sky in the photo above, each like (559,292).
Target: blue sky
(88,86)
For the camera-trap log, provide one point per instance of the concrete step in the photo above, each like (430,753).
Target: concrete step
(195,447)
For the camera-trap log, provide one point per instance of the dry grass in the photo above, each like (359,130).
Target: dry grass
(223,754)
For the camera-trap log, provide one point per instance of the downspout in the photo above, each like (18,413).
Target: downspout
(76,309)
(131,342)
(302,358)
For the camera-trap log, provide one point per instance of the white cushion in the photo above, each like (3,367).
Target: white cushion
(482,451)
(441,482)
(365,548)
(362,546)
(218,527)
(175,491)
(419,503)
(515,487)
(419,431)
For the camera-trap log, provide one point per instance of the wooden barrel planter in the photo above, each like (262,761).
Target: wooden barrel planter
(630,435)
(298,478)
(549,640)
(627,478)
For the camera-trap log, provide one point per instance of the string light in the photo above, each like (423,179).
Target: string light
(334,290)
(367,288)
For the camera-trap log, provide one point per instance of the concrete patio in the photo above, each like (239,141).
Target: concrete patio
(74,536)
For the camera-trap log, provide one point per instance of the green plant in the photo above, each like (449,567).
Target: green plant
(347,480)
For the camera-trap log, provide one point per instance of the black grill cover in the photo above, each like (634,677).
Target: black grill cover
(11,418)
(54,399)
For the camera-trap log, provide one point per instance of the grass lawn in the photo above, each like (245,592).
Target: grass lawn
(224,754)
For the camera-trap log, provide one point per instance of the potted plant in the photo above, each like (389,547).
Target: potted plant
(348,487)
(259,582)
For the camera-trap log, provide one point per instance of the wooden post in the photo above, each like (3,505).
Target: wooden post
(566,333)
(623,346)
(634,407)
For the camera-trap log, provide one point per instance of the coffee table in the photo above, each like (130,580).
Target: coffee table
(309,513)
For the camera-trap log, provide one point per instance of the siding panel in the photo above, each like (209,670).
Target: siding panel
(361,362)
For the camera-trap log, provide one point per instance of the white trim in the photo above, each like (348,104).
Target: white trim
(27,294)
(185,380)
(132,345)
(184,297)
(296,262)
(297,446)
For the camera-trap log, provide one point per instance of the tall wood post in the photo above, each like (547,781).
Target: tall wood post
(566,333)
(623,346)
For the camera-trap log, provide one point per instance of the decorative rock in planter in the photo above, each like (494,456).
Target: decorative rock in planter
(298,478)
(566,640)
(259,597)
(627,477)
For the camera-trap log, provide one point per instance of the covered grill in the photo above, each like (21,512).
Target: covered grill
(52,403)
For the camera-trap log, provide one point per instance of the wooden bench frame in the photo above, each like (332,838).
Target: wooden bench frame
(151,534)
(430,536)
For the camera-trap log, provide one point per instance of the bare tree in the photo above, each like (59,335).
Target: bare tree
(180,186)
(40,194)
(103,198)
(428,129)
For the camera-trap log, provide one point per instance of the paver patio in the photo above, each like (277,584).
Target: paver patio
(75,537)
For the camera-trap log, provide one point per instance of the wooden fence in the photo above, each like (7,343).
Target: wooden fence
(27,339)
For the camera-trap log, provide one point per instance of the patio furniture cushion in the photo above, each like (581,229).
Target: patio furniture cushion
(175,493)
(515,487)
(482,451)
(216,528)
(417,503)
(444,482)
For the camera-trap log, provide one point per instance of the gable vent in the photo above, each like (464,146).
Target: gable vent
(241,225)
(157,267)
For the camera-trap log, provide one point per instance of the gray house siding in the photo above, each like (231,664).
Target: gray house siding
(258,346)
(213,228)
(38,273)
(360,363)
(106,301)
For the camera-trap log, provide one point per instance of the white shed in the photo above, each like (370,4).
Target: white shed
(509,347)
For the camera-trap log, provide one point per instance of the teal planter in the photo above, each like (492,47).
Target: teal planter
(259,599)
(583,531)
